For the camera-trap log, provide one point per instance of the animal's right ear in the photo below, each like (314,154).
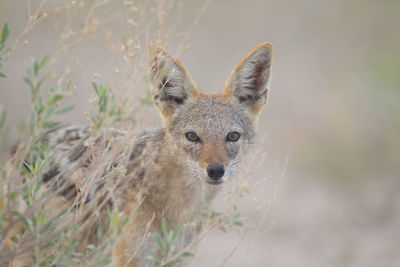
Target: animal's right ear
(172,85)
(249,81)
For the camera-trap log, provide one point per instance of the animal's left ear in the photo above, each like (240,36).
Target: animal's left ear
(249,81)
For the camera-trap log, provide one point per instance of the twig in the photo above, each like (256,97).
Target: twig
(32,19)
(235,248)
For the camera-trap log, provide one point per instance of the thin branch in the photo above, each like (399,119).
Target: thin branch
(32,19)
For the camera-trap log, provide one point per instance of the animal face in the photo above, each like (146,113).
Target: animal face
(211,130)
(213,133)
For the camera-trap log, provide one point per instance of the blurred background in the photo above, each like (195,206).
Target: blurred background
(325,175)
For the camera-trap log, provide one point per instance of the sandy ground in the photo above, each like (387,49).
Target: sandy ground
(316,225)
(317,112)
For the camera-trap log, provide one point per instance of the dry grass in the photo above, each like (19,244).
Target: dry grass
(53,236)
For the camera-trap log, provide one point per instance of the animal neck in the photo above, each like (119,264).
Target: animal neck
(176,193)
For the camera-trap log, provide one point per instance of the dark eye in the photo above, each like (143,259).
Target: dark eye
(232,137)
(192,137)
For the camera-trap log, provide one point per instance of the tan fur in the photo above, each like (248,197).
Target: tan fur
(167,175)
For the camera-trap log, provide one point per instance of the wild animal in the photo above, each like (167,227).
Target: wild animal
(166,172)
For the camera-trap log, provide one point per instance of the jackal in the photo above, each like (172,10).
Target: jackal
(171,169)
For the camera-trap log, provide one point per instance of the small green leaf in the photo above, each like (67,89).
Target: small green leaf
(36,166)
(68,86)
(35,67)
(13,194)
(38,65)
(43,62)
(92,247)
(40,82)
(2,75)
(187,254)
(215,214)
(3,118)
(238,223)
(53,99)
(155,258)
(48,113)
(46,227)
(15,213)
(50,124)
(64,109)
(29,82)
(175,233)
(205,204)
(24,221)
(164,227)
(102,104)
(4,35)
(95,88)
(102,91)
(158,239)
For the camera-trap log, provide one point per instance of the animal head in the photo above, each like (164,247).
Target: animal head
(212,130)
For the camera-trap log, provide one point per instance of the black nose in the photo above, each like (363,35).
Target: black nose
(215,171)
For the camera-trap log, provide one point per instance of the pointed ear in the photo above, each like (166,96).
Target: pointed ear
(172,85)
(249,82)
